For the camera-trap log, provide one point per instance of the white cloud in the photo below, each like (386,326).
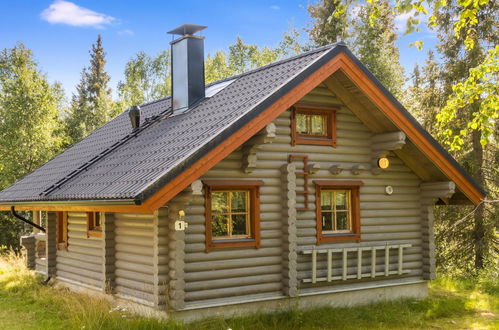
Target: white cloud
(65,12)
(126,32)
(274,7)
(401,21)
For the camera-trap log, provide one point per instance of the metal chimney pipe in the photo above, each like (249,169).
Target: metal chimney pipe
(134,114)
(187,67)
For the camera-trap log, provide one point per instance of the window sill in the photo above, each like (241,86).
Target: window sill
(62,246)
(315,141)
(232,243)
(94,233)
(336,238)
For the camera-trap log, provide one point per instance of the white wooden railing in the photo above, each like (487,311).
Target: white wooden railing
(344,252)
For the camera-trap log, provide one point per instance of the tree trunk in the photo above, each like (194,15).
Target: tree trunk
(478,226)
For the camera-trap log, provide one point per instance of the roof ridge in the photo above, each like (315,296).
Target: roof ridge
(237,76)
(284,60)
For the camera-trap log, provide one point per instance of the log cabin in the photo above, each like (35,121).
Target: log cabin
(303,182)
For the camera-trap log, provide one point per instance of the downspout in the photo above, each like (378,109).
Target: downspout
(14,213)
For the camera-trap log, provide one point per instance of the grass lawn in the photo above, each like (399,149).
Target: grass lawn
(26,304)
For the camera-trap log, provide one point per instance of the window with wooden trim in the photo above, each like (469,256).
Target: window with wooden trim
(313,125)
(337,210)
(94,224)
(232,213)
(62,230)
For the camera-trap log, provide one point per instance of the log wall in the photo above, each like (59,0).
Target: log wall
(225,275)
(135,269)
(83,260)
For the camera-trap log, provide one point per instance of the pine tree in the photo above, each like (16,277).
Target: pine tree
(373,41)
(330,21)
(92,105)
(425,96)
(375,45)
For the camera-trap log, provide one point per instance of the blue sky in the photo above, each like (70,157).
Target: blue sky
(61,32)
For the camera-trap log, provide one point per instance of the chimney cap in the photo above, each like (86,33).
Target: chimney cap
(187,29)
(134,114)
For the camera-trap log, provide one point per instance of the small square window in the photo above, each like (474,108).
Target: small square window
(311,125)
(94,224)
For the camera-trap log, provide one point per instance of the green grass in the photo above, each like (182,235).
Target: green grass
(27,304)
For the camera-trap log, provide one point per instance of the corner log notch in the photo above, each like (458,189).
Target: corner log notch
(430,193)
(250,148)
(382,144)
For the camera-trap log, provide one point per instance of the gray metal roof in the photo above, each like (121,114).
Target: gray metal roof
(110,164)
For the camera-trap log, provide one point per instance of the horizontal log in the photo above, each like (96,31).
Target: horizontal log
(79,257)
(231,273)
(85,242)
(224,254)
(231,263)
(79,264)
(134,293)
(79,278)
(231,282)
(135,258)
(80,271)
(131,275)
(134,216)
(135,267)
(135,249)
(231,292)
(135,284)
(132,240)
(97,252)
(392,228)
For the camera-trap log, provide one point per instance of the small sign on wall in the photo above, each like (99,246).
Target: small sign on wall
(181,225)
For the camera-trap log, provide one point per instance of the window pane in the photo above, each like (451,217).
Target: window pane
(239,201)
(301,123)
(341,200)
(327,221)
(219,225)
(219,201)
(342,221)
(239,224)
(326,198)
(97,219)
(318,125)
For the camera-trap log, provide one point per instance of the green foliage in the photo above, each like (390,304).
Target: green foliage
(467,25)
(92,105)
(330,21)
(425,97)
(482,84)
(216,67)
(374,44)
(29,119)
(146,79)
(371,33)
(26,304)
